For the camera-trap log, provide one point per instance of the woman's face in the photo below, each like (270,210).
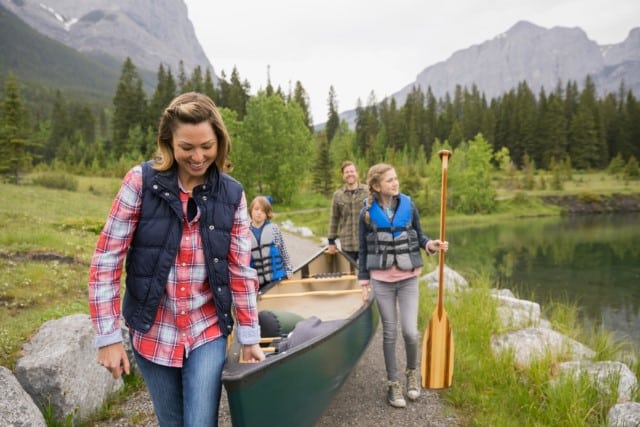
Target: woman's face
(195,148)
(389,185)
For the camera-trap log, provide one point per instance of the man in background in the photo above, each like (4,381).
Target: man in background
(345,210)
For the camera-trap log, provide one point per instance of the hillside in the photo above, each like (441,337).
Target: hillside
(39,60)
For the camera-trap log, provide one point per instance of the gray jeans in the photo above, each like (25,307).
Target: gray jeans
(393,298)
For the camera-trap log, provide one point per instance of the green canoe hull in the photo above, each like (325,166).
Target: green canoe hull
(295,387)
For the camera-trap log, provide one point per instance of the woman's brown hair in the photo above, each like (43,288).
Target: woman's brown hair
(192,108)
(374,175)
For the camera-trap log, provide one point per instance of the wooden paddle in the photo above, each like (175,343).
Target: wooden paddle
(437,342)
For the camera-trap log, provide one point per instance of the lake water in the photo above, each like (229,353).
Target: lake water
(590,261)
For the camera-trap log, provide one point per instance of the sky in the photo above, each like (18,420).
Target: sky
(364,47)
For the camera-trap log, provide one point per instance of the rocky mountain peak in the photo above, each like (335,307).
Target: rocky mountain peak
(541,57)
(151,32)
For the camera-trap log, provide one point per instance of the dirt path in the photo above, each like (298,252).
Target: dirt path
(360,402)
(362,399)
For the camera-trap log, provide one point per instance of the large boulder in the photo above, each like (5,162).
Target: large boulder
(624,415)
(452,280)
(59,368)
(517,313)
(530,344)
(603,375)
(16,406)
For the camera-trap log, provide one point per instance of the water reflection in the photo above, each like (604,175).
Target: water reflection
(593,261)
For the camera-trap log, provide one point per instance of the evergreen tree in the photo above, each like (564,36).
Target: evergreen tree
(333,119)
(367,125)
(588,102)
(472,112)
(223,91)
(456,137)
(556,175)
(391,120)
(343,147)
(130,107)
(612,128)
(446,118)
(209,87)
(529,170)
(197,80)
(85,122)
(322,168)
(15,155)
(526,125)
(183,81)
(301,97)
(165,91)
(552,129)
(412,114)
(237,95)
(632,107)
(430,121)
(616,165)
(60,128)
(632,169)
(583,139)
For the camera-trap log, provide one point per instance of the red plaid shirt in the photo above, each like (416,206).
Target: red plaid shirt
(186,317)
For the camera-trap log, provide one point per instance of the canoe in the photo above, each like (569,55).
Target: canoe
(325,327)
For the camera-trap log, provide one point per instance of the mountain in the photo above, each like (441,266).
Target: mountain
(541,57)
(43,62)
(150,32)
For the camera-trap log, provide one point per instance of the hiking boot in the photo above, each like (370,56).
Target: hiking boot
(413,389)
(394,395)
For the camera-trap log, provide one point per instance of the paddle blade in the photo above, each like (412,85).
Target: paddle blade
(437,353)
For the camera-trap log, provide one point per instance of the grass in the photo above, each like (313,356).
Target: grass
(493,391)
(47,238)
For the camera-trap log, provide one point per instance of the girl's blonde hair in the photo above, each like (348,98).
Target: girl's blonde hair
(192,108)
(263,202)
(374,176)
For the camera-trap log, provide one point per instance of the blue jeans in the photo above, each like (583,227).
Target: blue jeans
(187,396)
(393,299)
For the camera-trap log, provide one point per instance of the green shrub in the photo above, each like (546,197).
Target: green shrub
(57,180)
(631,169)
(588,197)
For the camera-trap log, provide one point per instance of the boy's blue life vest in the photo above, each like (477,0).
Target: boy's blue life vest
(266,257)
(393,241)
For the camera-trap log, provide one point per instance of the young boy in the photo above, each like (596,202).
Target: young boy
(269,254)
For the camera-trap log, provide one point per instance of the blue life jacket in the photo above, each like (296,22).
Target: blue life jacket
(157,237)
(393,241)
(266,257)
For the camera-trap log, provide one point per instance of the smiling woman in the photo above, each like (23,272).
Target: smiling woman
(183,225)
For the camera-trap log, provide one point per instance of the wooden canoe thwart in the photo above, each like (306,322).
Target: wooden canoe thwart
(315,327)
